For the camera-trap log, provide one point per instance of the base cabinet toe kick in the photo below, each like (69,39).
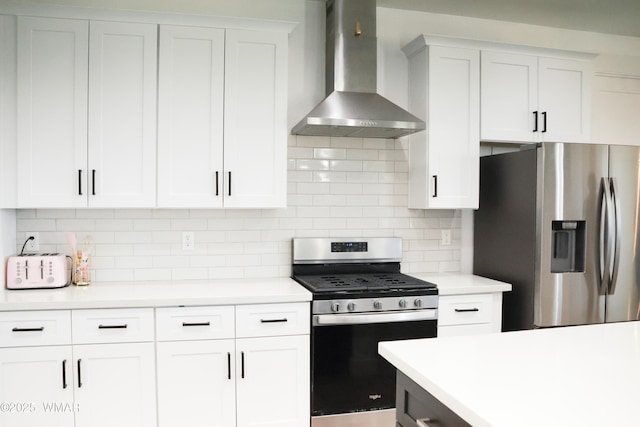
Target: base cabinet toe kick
(416,407)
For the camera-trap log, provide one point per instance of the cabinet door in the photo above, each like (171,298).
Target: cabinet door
(115,385)
(273,381)
(37,385)
(52,112)
(564,94)
(190,111)
(444,162)
(122,114)
(509,87)
(196,383)
(255,122)
(616,102)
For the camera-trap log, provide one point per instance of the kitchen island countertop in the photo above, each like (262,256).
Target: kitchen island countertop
(156,294)
(560,377)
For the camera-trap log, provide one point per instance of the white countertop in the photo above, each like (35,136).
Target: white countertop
(459,283)
(156,294)
(572,376)
(208,292)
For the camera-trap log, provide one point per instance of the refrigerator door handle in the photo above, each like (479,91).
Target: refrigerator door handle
(616,248)
(605,241)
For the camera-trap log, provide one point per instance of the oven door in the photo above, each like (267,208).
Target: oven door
(348,374)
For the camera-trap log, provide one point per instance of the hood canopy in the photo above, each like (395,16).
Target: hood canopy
(352,106)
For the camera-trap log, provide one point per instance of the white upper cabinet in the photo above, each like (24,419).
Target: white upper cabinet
(222,118)
(190,117)
(122,114)
(255,120)
(52,92)
(444,90)
(528,98)
(86,113)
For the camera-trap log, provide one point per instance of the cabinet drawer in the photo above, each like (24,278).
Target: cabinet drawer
(465,309)
(27,328)
(272,319)
(195,323)
(112,325)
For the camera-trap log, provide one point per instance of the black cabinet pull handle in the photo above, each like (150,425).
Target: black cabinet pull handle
(112,326)
(228,366)
(93,182)
(196,324)
(273,320)
(64,373)
(229,183)
(79,373)
(79,182)
(544,121)
(535,121)
(466,310)
(242,364)
(40,329)
(435,186)
(217,187)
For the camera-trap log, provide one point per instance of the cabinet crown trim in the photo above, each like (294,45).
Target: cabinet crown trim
(424,40)
(148,17)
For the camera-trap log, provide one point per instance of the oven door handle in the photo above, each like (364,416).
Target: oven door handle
(360,319)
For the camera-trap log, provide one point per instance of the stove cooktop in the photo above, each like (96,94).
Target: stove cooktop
(354,284)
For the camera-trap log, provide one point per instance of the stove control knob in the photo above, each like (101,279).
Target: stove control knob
(335,307)
(351,306)
(377,305)
(402,303)
(417,302)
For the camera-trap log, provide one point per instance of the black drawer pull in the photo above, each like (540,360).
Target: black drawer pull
(242,364)
(64,373)
(196,324)
(228,366)
(79,373)
(274,320)
(40,329)
(112,326)
(466,310)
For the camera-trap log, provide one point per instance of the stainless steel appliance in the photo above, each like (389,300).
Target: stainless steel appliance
(352,106)
(359,299)
(560,223)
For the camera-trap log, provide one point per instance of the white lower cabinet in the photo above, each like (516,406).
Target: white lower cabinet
(115,385)
(273,381)
(233,366)
(469,314)
(217,366)
(109,381)
(36,386)
(196,383)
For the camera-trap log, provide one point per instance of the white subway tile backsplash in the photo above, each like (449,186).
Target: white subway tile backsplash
(338,187)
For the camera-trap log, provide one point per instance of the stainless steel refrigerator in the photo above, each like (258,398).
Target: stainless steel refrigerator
(560,222)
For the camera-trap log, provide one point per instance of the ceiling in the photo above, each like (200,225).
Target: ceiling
(620,17)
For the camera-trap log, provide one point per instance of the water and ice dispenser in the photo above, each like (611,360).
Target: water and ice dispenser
(568,250)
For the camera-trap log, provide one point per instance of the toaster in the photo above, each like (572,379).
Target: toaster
(38,271)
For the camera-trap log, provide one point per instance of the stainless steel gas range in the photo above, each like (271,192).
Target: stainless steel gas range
(359,299)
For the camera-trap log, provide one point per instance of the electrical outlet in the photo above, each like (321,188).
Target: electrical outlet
(188,240)
(446,238)
(33,244)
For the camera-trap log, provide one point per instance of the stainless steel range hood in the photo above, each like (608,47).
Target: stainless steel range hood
(352,106)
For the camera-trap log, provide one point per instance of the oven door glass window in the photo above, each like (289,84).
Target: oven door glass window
(348,374)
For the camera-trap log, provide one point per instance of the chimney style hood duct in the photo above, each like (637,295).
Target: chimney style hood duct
(352,106)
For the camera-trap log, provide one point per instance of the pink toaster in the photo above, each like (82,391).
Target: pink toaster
(38,271)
